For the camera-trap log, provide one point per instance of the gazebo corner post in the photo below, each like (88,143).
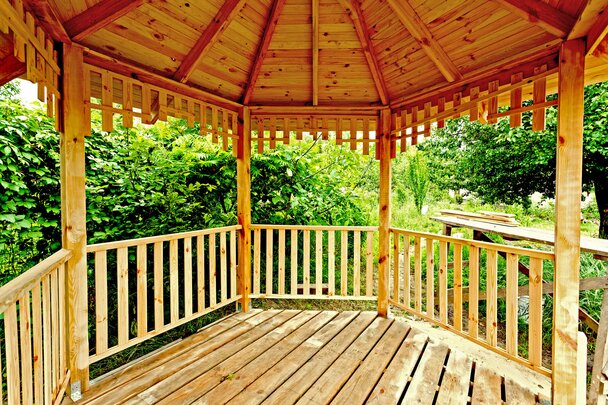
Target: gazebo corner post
(384,155)
(568,183)
(243,174)
(74,127)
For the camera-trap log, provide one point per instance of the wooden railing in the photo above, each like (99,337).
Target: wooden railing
(314,262)
(453,283)
(199,267)
(33,333)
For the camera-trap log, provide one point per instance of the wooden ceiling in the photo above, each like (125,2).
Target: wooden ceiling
(321,52)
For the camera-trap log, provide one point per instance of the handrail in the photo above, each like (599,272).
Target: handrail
(540,254)
(314,227)
(160,238)
(12,291)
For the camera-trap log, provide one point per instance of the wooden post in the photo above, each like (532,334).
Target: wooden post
(568,182)
(243,179)
(384,154)
(73,214)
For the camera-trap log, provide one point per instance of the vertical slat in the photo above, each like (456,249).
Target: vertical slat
(26,347)
(46,339)
(269,260)
(357,263)
(344,263)
(11,334)
(427,122)
(294,262)
(318,262)
(539,96)
(331,261)
(493,101)
(273,132)
(473,291)
(37,345)
(233,264)
(306,262)
(188,309)
(474,111)
(159,312)
(214,124)
(63,355)
(365,136)
(353,134)
(200,271)
(458,286)
(173,280)
(407,268)
(516,99)
(415,125)
(369,264)
(54,334)
(282,248)
(257,240)
(223,268)
(142,290)
(101,302)
(122,259)
(338,131)
(396,269)
(430,279)
(417,272)
(127,95)
(224,130)
(107,90)
(146,104)
(491,294)
(535,311)
(260,122)
(203,121)
(443,282)
(511,338)
(212,271)
(300,124)
(286,130)
(456,100)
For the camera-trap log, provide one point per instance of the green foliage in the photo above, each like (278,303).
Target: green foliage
(10,90)
(417,178)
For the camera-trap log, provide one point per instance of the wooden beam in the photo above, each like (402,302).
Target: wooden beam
(356,14)
(243,184)
(598,31)
(414,24)
(73,213)
(568,182)
(384,238)
(100,15)
(542,14)
(10,66)
(271,25)
(315,52)
(48,18)
(128,69)
(206,41)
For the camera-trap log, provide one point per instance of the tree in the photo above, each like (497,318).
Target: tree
(502,164)
(417,177)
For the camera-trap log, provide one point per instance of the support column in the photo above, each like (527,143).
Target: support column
(73,214)
(243,179)
(384,153)
(568,182)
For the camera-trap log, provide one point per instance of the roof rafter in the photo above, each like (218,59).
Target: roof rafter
(48,18)
(414,24)
(99,16)
(356,14)
(315,52)
(271,25)
(592,23)
(206,41)
(542,14)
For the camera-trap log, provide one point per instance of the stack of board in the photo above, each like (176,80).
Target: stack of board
(498,218)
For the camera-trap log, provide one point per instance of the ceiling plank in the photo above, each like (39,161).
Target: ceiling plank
(47,17)
(271,25)
(412,22)
(356,14)
(97,17)
(206,41)
(315,52)
(542,14)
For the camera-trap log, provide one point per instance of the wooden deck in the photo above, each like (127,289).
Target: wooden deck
(283,357)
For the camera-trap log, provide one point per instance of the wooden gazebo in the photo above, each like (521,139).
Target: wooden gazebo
(373,74)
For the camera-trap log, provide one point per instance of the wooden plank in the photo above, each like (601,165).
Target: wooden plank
(384,208)
(430,277)
(98,16)
(456,380)
(262,362)
(294,262)
(344,263)
(318,262)
(443,282)
(203,45)
(416,27)
(315,52)
(458,286)
(345,324)
(544,15)
(567,219)
(142,290)
(282,249)
(356,263)
(512,304)
(324,380)
(487,386)
(516,394)
(363,380)
(491,300)
(159,310)
(73,210)
(331,262)
(122,386)
(424,382)
(101,302)
(122,264)
(473,324)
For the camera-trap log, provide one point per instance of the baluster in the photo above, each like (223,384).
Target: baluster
(294,262)
(396,272)
(491,295)
(37,347)
(443,282)
(257,236)
(159,312)
(269,251)
(457,286)
(535,311)
(142,291)
(357,264)
(26,346)
(188,309)
(233,264)
(101,302)
(331,259)
(430,279)
(369,266)
(306,263)
(344,263)
(11,334)
(212,271)
(282,248)
(473,291)
(223,268)
(200,271)
(318,262)
(122,259)
(512,304)
(173,280)
(417,273)
(407,268)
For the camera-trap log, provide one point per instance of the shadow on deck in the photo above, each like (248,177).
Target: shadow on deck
(289,356)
